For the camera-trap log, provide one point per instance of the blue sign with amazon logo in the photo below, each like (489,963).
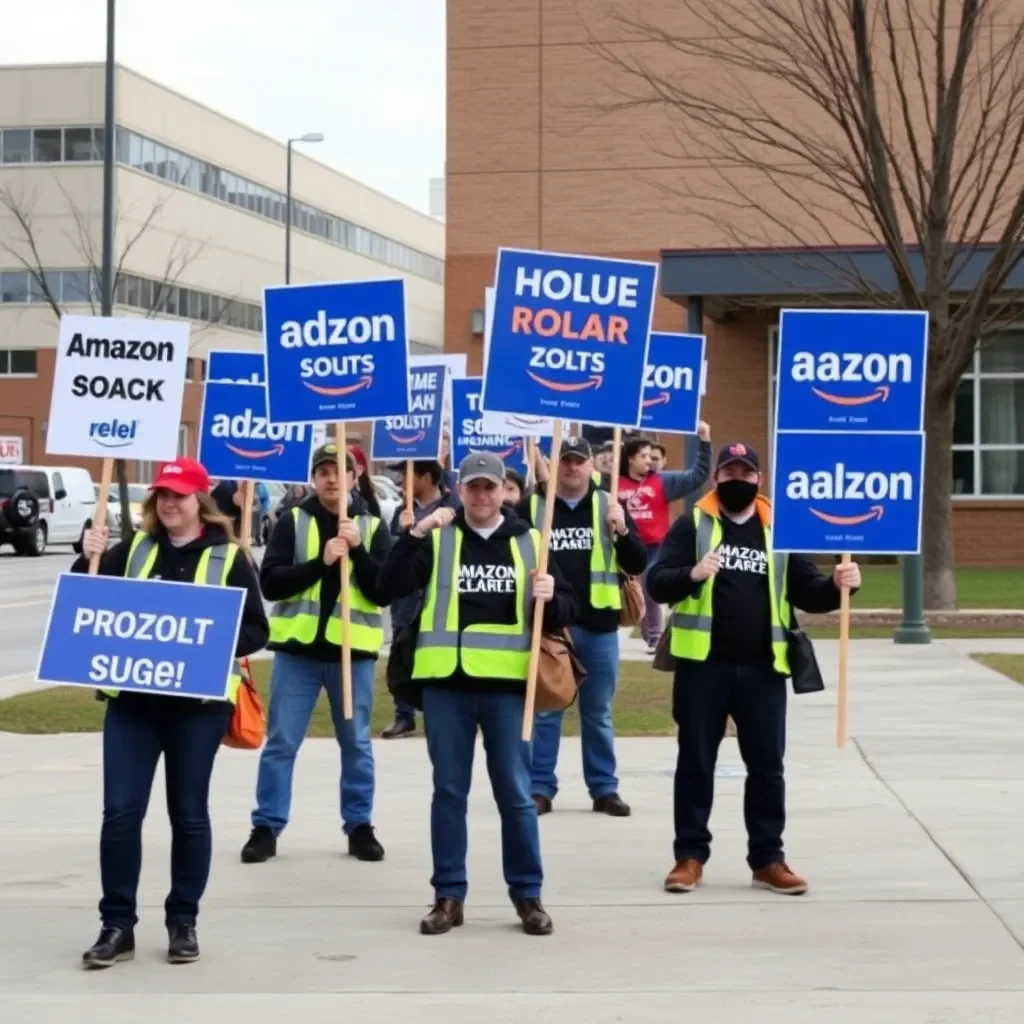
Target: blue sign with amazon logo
(569,337)
(672,382)
(417,435)
(336,352)
(468,433)
(148,636)
(238,367)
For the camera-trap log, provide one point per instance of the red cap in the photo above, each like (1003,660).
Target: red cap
(183,476)
(359,455)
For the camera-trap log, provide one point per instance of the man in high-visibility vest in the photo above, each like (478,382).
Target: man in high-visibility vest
(478,570)
(302,576)
(593,540)
(732,599)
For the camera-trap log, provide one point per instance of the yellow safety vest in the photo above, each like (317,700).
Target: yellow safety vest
(485,651)
(691,617)
(296,619)
(604,566)
(213,569)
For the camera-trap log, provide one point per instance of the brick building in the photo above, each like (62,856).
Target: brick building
(530,164)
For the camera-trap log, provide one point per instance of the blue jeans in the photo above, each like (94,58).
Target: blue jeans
(599,653)
(136,730)
(295,685)
(451,718)
(651,624)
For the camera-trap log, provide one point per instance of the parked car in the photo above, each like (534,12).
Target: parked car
(41,505)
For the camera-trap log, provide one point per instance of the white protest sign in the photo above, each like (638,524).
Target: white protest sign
(117,388)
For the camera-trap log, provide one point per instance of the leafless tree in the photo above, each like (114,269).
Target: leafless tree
(821,123)
(21,243)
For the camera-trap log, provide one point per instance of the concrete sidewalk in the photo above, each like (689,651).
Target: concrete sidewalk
(910,836)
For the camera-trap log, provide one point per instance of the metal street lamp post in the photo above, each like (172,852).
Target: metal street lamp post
(308,137)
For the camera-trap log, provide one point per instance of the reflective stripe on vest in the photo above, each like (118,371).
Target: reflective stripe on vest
(214,565)
(692,617)
(484,651)
(296,619)
(604,566)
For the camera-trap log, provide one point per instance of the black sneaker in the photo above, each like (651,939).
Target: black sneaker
(363,845)
(113,946)
(183,946)
(398,728)
(262,845)
(613,805)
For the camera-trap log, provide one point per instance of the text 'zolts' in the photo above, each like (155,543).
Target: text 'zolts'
(137,388)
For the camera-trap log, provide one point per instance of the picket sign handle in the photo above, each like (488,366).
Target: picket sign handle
(844,655)
(248,500)
(408,484)
(346,643)
(99,516)
(616,457)
(542,567)
(531,459)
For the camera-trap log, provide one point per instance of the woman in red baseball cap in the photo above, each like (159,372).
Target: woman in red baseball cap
(185,538)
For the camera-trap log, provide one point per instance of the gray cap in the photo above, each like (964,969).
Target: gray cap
(482,466)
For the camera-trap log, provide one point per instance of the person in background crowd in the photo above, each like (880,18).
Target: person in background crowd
(658,455)
(301,575)
(514,488)
(603,460)
(482,559)
(733,598)
(592,541)
(227,496)
(450,481)
(429,494)
(364,481)
(184,538)
(261,506)
(647,496)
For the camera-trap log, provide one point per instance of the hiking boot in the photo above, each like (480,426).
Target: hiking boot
(613,805)
(183,946)
(685,876)
(363,845)
(534,917)
(542,803)
(261,846)
(398,728)
(780,879)
(113,946)
(445,915)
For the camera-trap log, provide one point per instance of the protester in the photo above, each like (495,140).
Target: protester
(514,488)
(658,456)
(184,538)
(429,494)
(227,495)
(647,496)
(364,482)
(733,598)
(604,459)
(472,661)
(592,541)
(301,575)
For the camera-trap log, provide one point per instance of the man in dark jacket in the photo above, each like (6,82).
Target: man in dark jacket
(593,540)
(429,494)
(477,568)
(733,598)
(301,574)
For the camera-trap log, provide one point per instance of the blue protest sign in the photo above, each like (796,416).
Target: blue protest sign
(336,352)
(851,370)
(238,442)
(468,432)
(239,367)
(417,435)
(149,636)
(672,383)
(856,493)
(569,337)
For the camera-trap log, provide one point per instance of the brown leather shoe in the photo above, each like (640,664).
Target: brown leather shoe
(612,805)
(779,878)
(534,917)
(685,876)
(542,803)
(446,915)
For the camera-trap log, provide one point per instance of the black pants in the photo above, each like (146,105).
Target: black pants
(703,695)
(137,729)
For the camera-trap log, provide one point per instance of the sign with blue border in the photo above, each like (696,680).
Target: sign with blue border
(673,383)
(417,435)
(237,441)
(569,337)
(235,367)
(468,429)
(145,636)
(336,352)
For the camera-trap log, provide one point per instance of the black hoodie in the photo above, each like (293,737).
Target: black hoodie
(489,598)
(281,578)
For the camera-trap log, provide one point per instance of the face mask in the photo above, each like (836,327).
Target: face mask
(736,495)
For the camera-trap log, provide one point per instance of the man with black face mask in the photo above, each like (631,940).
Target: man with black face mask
(732,598)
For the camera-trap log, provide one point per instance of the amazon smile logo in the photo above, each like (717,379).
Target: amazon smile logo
(663,399)
(340,392)
(590,363)
(870,376)
(239,432)
(873,490)
(420,435)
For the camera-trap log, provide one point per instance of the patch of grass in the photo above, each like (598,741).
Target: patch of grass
(643,706)
(885,633)
(1010,665)
(1000,587)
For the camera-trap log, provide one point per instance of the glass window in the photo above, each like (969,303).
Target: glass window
(963,424)
(135,149)
(78,144)
(14,285)
(1002,411)
(1002,472)
(17,146)
(124,145)
(121,291)
(97,143)
(75,286)
(23,360)
(189,172)
(47,148)
(146,294)
(5,361)
(204,307)
(134,297)
(160,168)
(963,472)
(1003,353)
(149,156)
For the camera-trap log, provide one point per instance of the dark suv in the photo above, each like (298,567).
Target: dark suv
(23,495)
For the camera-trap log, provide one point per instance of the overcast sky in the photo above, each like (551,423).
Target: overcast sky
(369,74)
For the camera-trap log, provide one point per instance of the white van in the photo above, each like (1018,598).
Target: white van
(65,496)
